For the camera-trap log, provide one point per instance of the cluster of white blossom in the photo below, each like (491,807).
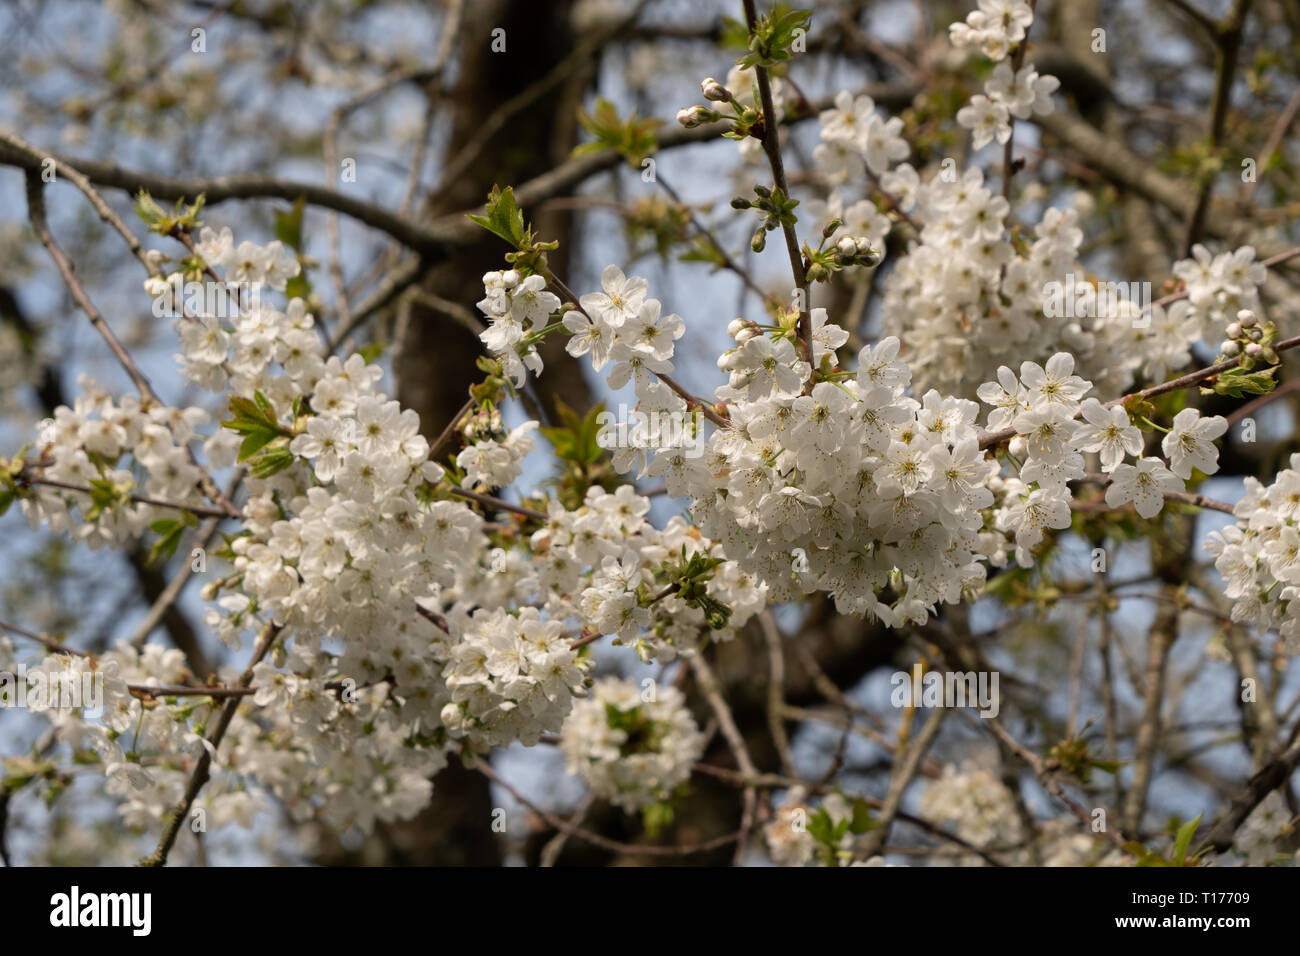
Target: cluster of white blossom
(494,463)
(632,749)
(966,298)
(1008,92)
(400,629)
(1221,286)
(1259,556)
(1257,838)
(511,677)
(969,295)
(855,140)
(1043,407)
(994,28)
(849,486)
(141,744)
(791,842)
(975,804)
(113,448)
(404,627)
(599,563)
(515,305)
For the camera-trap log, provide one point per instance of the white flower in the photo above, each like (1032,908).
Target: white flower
(1190,443)
(1108,432)
(1143,484)
(986,119)
(621,298)
(826,336)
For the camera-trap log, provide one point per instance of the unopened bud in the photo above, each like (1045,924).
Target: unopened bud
(1234,330)
(1246,317)
(847,246)
(734,327)
(715,91)
(1253,349)
(1229,348)
(694,116)
(759,242)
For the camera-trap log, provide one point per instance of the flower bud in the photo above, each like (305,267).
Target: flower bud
(1229,348)
(734,327)
(1253,349)
(715,91)
(1017,446)
(745,334)
(694,116)
(759,242)
(1246,317)
(1233,330)
(510,278)
(847,246)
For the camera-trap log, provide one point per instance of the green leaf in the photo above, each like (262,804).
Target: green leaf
(288,225)
(270,461)
(503,217)
(862,819)
(103,496)
(633,138)
(298,287)
(576,440)
(256,421)
(148,209)
(169,531)
(183,217)
(1184,838)
(1239,383)
(820,826)
(655,817)
(774,35)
